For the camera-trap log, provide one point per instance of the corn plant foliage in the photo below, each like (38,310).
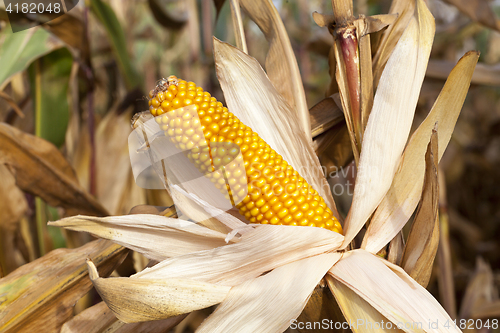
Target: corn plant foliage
(43,292)
(107,17)
(262,276)
(13,204)
(19,50)
(47,75)
(423,239)
(111,148)
(41,169)
(394,212)
(390,119)
(479,11)
(115,186)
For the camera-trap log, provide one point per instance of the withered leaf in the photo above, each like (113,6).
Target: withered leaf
(477,10)
(423,240)
(43,292)
(13,204)
(40,169)
(324,115)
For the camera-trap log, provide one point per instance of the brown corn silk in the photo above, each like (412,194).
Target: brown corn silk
(263,186)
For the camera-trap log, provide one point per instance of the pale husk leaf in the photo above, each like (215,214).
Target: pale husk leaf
(391,291)
(135,299)
(256,102)
(199,210)
(405,9)
(423,239)
(390,119)
(356,310)
(403,196)
(269,303)
(239,31)
(258,251)
(99,318)
(156,237)
(281,64)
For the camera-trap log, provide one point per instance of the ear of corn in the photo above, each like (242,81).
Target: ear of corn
(271,191)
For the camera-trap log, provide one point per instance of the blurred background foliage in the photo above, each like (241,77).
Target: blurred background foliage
(77,80)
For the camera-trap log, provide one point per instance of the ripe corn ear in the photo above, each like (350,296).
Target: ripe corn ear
(271,191)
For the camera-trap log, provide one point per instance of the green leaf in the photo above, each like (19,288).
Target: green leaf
(108,19)
(18,50)
(49,78)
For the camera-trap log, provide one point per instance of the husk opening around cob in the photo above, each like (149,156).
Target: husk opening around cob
(242,166)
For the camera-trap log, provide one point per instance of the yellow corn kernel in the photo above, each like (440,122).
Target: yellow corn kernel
(271,191)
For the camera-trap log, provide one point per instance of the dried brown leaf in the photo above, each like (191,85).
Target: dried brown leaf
(71,30)
(479,291)
(40,169)
(43,292)
(324,115)
(321,306)
(114,179)
(13,203)
(478,10)
(335,145)
(396,247)
(445,274)
(483,74)
(166,19)
(218,5)
(487,310)
(423,239)
(366,77)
